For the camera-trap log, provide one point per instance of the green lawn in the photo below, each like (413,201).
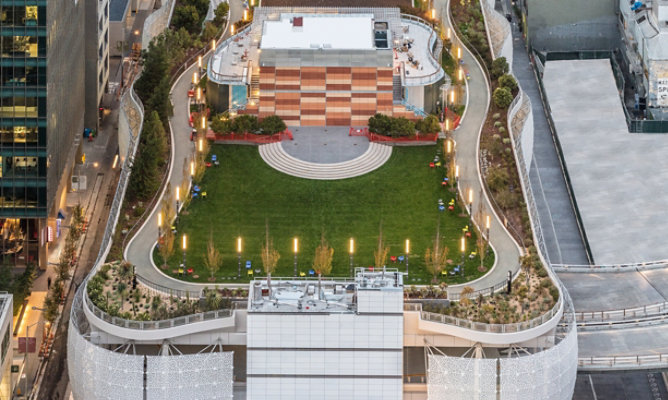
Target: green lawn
(243,191)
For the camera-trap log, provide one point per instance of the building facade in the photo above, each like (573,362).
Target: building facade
(97,57)
(42,52)
(6,346)
(328,66)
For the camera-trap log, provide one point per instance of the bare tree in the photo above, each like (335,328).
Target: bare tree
(380,254)
(482,241)
(436,259)
(213,259)
(166,248)
(322,263)
(270,255)
(464,295)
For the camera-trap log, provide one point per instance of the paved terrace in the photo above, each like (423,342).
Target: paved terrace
(619,179)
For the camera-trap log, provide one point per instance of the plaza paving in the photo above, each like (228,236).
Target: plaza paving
(623,342)
(324,144)
(618,178)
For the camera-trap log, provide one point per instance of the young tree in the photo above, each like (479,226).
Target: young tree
(221,13)
(380,254)
(122,288)
(167,246)
(322,262)
(502,97)
(213,258)
(126,271)
(464,295)
(429,124)
(481,241)
(270,255)
(436,259)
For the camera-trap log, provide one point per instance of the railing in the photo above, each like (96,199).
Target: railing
(161,324)
(482,326)
(216,76)
(624,362)
(180,293)
(433,55)
(615,267)
(625,314)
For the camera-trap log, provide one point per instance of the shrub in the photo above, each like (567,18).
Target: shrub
(496,116)
(429,124)
(221,13)
(554,292)
(221,124)
(502,97)
(497,178)
(499,67)
(402,127)
(272,124)
(508,81)
(245,123)
(188,17)
(380,124)
(497,124)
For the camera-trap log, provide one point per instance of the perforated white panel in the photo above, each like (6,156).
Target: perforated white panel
(549,374)
(455,378)
(192,376)
(100,374)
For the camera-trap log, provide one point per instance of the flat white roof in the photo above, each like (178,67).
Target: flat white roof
(337,31)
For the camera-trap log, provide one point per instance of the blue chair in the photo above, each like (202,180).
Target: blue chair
(248,264)
(400,258)
(311,272)
(441,208)
(214,157)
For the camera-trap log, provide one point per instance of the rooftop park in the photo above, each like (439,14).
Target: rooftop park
(403,215)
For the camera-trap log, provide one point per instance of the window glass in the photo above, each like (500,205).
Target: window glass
(19,46)
(18,107)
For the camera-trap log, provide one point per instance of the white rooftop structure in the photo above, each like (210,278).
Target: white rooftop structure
(319,31)
(338,295)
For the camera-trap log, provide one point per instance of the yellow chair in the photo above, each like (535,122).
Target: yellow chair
(444,273)
(180,271)
(302,274)
(250,272)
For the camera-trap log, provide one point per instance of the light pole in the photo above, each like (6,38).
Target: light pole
(295,249)
(407,251)
(470,202)
(456,175)
(351,251)
(239,256)
(184,245)
(199,62)
(487,225)
(200,145)
(25,359)
(463,250)
(192,172)
(159,226)
(178,198)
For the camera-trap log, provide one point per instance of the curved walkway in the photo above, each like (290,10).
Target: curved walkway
(466,136)
(276,157)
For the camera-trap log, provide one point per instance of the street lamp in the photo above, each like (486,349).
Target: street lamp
(452,97)
(470,202)
(199,62)
(204,122)
(213,44)
(407,251)
(184,246)
(295,248)
(231,29)
(351,251)
(239,256)
(433,13)
(178,199)
(449,34)
(460,74)
(245,14)
(459,52)
(487,225)
(195,80)
(456,174)
(463,250)
(198,94)
(159,226)
(200,145)
(192,171)
(25,357)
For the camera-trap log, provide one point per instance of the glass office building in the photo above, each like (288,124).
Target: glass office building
(42,51)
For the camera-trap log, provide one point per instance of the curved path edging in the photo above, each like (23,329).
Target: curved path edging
(373,158)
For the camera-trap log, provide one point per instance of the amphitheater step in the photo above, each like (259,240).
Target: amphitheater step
(276,157)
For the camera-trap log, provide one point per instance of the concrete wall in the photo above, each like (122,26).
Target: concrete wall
(567,25)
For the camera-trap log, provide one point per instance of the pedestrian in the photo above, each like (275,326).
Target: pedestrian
(48,284)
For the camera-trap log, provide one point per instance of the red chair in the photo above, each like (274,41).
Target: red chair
(393,258)
(432,165)
(189,271)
